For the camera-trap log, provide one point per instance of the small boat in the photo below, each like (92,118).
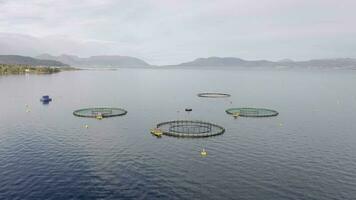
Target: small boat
(188,109)
(156,132)
(45,99)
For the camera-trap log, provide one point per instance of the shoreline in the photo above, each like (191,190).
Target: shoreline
(12,69)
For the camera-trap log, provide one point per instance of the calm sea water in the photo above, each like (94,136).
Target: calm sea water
(307,152)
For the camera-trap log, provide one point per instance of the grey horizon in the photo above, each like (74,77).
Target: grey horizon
(168,32)
(128,61)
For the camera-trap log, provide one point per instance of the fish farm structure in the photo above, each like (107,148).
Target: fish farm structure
(213,95)
(100,112)
(252,112)
(190,128)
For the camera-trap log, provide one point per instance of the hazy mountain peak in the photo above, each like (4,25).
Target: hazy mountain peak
(25,60)
(68,56)
(286,60)
(237,62)
(224,61)
(98,60)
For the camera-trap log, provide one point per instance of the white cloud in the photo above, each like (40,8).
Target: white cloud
(171,31)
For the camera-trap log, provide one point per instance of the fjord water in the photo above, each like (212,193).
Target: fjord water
(307,152)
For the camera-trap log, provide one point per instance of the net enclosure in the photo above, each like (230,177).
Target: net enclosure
(252,112)
(190,128)
(213,95)
(103,112)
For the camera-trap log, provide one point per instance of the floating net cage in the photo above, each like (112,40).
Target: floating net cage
(190,128)
(103,112)
(213,95)
(252,112)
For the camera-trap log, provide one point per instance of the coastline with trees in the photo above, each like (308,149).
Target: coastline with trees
(9,69)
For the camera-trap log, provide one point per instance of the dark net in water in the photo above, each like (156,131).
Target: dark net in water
(103,112)
(252,112)
(190,128)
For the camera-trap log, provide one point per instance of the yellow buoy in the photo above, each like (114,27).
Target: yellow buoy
(236,115)
(156,132)
(86,126)
(99,117)
(203,153)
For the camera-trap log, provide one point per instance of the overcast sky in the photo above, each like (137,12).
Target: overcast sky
(173,31)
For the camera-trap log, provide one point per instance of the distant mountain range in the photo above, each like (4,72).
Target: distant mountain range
(126,61)
(97,61)
(227,61)
(25,60)
(237,62)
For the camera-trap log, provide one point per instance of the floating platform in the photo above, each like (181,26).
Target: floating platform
(213,95)
(190,128)
(251,112)
(100,113)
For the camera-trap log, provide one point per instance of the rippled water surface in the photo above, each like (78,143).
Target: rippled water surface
(307,152)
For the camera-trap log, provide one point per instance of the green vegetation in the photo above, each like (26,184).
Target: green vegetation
(6,69)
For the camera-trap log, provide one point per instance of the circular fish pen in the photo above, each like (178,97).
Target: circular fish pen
(252,112)
(102,112)
(213,95)
(190,128)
